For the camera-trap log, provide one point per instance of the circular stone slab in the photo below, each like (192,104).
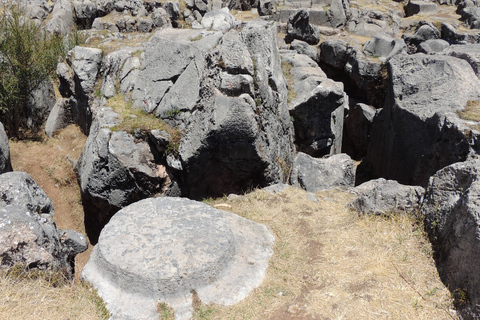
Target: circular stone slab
(167,248)
(162,249)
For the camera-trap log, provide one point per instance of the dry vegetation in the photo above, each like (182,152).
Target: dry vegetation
(471,111)
(330,263)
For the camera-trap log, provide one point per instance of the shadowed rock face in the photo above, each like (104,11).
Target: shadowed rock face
(418,124)
(451,211)
(162,249)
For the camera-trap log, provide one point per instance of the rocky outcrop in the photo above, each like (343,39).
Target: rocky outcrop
(452,217)
(164,249)
(299,28)
(364,76)
(418,123)
(387,197)
(5,164)
(317,106)
(240,134)
(115,170)
(312,174)
(28,235)
(357,130)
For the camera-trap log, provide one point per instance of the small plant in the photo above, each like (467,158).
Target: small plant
(221,64)
(460,297)
(165,311)
(200,310)
(172,113)
(199,37)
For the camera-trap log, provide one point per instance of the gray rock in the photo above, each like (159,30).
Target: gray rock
(223,151)
(318,118)
(334,52)
(299,27)
(471,16)
(86,63)
(420,7)
(85,12)
(160,250)
(451,216)
(357,129)
(266,7)
(145,24)
(234,54)
(433,46)
(339,9)
(160,18)
(387,197)
(60,117)
(468,52)
(220,20)
(115,170)
(382,45)
(416,126)
(40,101)
(301,47)
(104,24)
(172,8)
(314,174)
(61,21)
(28,235)
(5,164)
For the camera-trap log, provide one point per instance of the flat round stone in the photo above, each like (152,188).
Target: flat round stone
(162,245)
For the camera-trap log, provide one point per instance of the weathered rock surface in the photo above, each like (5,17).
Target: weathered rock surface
(417,124)
(317,109)
(385,197)
(5,164)
(451,211)
(162,249)
(299,28)
(115,170)
(312,174)
(468,52)
(357,129)
(28,235)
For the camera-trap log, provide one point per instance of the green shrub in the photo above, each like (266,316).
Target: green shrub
(28,56)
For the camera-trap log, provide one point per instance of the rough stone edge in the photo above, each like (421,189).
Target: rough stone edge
(124,305)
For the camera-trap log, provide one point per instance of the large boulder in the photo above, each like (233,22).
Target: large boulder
(313,174)
(468,52)
(316,107)
(114,170)
(62,18)
(299,27)
(451,211)
(418,122)
(5,164)
(238,139)
(357,129)
(28,235)
(164,249)
(386,197)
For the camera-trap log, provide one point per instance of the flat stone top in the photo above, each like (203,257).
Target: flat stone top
(168,244)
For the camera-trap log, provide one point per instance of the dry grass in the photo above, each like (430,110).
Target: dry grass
(471,111)
(286,67)
(329,263)
(133,119)
(26,298)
